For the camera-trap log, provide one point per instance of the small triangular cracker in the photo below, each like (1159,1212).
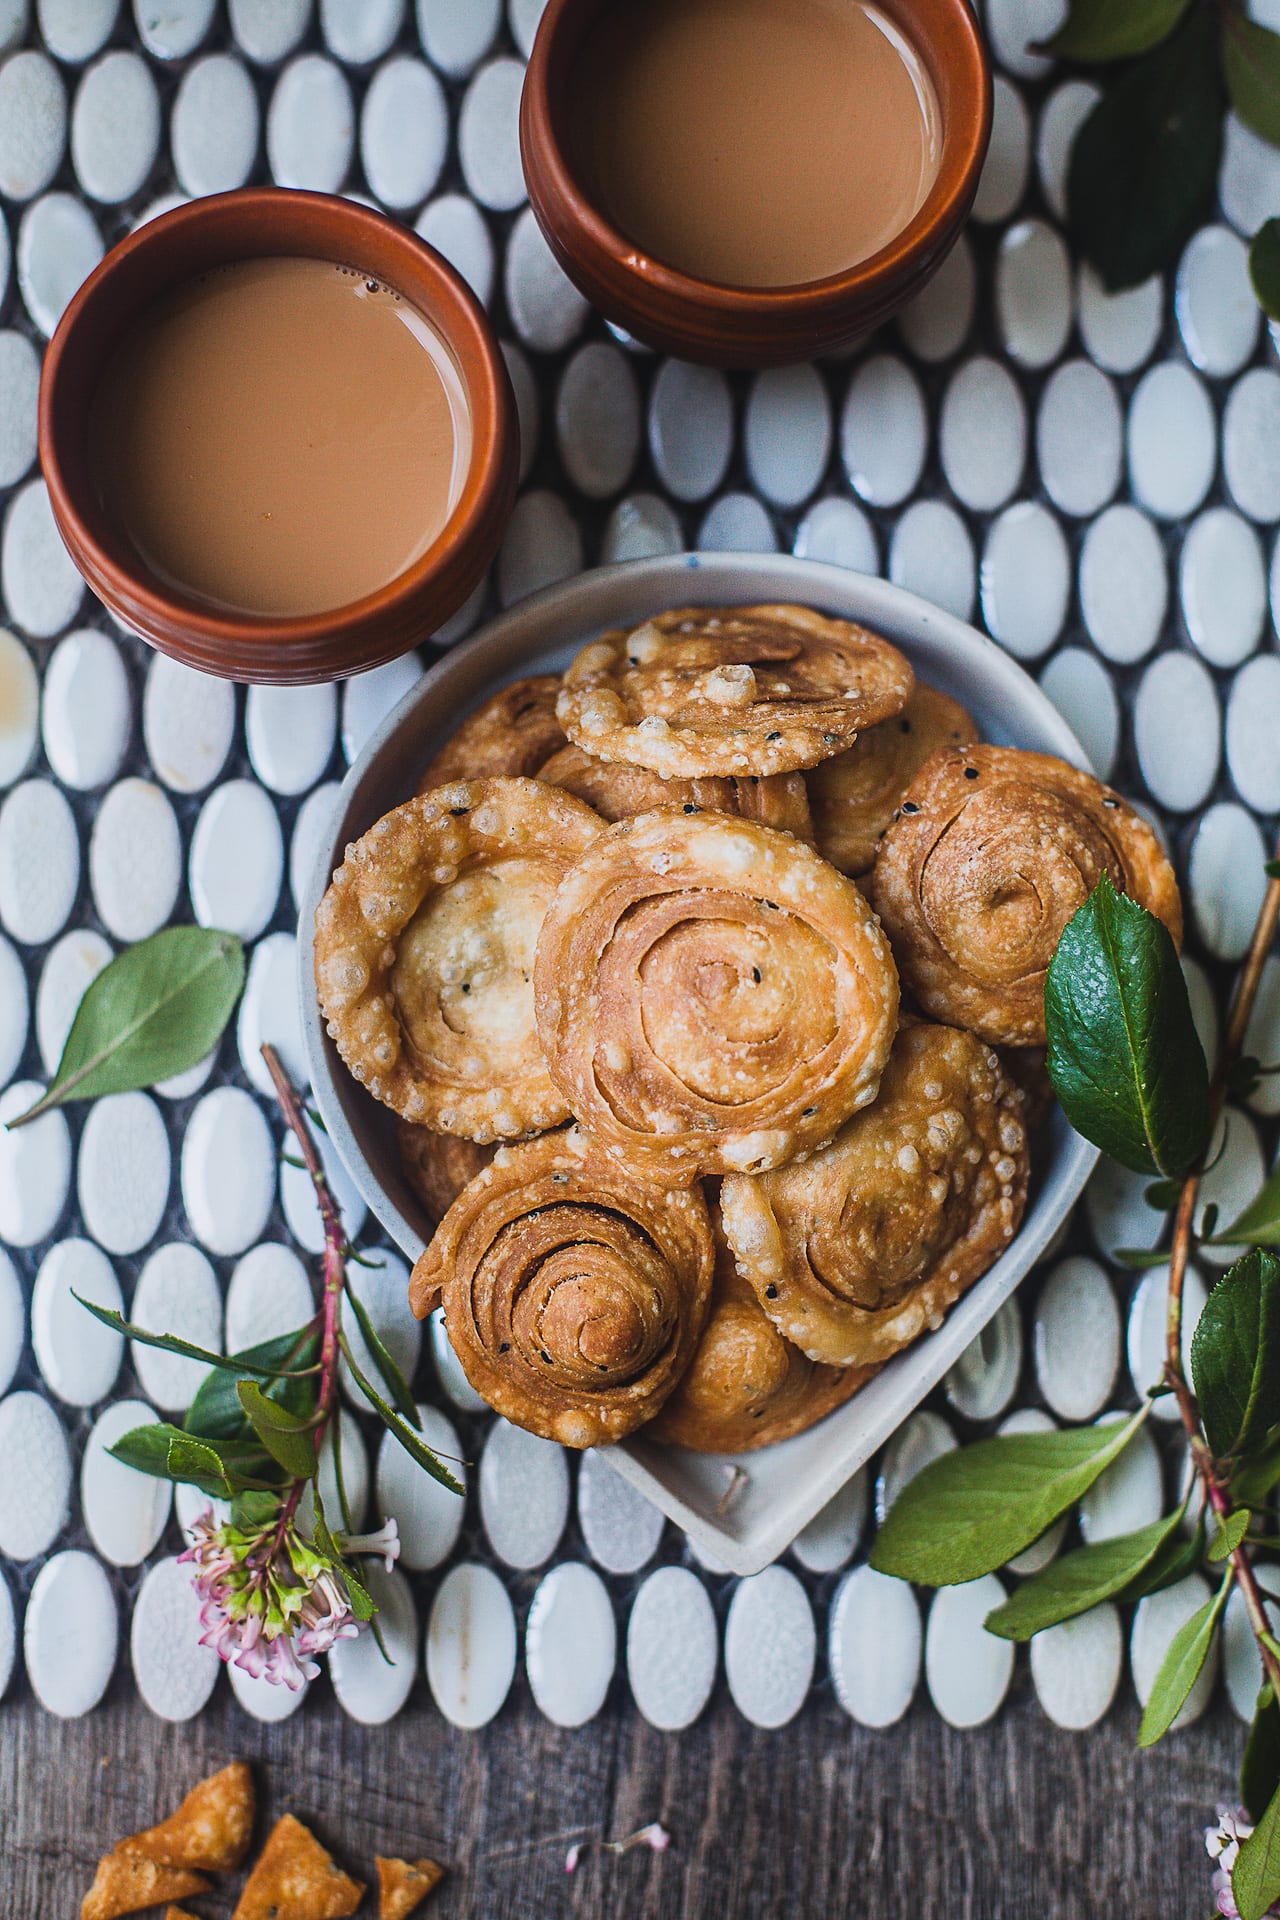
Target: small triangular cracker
(126,1883)
(211,1830)
(404,1885)
(295,1879)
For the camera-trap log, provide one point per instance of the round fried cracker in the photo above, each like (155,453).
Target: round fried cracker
(855,795)
(712,995)
(855,1252)
(574,1290)
(424,954)
(731,690)
(508,737)
(992,852)
(619,792)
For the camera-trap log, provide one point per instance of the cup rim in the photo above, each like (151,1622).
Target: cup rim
(550,170)
(303,645)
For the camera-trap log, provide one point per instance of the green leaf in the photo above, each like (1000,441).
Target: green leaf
(216,1413)
(391,1420)
(167,1453)
(1272,867)
(1260,1768)
(1123,1053)
(167,1342)
(974,1509)
(1180,1668)
(1172,1562)
(1255,1878)
(1251,68)
(1255,1478)
(157,1009)
(362,1604)
(396,1384)
(1139,1257)
(1259,1224)
(1163,1195)
(1098,30)
(1078,1581)
(255,1511)
(1235,1355)
(285,1437)
(1229,1535)
(1144,165)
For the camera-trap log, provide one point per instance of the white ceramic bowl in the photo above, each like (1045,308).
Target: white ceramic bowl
(784,1486)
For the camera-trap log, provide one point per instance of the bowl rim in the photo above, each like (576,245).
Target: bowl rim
(575,609)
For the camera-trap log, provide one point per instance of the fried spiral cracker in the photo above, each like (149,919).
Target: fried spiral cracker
(711,995)
(438,1165)
(855,794)
(424,953)
(731,690)
(574,1291)
(746,1386)
(858,1250)
(992,852)
(508,737)
(619,792)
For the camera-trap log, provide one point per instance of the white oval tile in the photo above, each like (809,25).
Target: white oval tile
(1146,1340)
(598,419)
(1077,1338)
(1061,118)
(456,228)
(787,433)
(1128,1495)
(213,134)
(1204,1010)
(74,30)
(1033,293)
(311,126)
(268,30)
(1156,1621)
(358,31)
(14,1011)
(269,1294)
(1079,438)
(12,1322)
(427,1514)
(1173,442)
(173,31)
(455,38)
(1004,173)
(967,1669)
(382,1287)
(188,719)
(984,1379)
(1223,586)
(874,1646)
(237,859)
(122,1173)
(524,16)
(546,308)
(8,1637)
(931,554)
(372,1689)
(1119,330)
(524,1495)
(918,1442)
(831,1538)
(355,1479)
(1227,882)
(183,1086)
(33,124)
(1115,1201)
(1026,579)
(936,323)
(528,403)
(263,1699)
(19,385)
(404,132)
(884,431)
(690,428)
(737,523)
(124,1510)
(174,1674)
(570,1645)
(1075,1667)
(1049,1545)
(983,434)
(115,127)
(449,1368)
(70,1634)
(298,1195)
(672,1648)
(837,530)
(1262,1037)
(177,1292)
(489,136)
(542,545)
(1177,731)
(1250,456)
(270,1013)
(620,1526)
(58,248)
(1241,1665)
(1124,585)
(19,705)
(367,699)
(135,860)
(1084,693)
(310,830)
(1253,727)
(35,1168)
(85,715)
(471,1646)
(228,1171)
(39,862)
(1231,1180)
(1014,27)
(639,528)
(37,1479)
(1215,304)
(78,1357)
(769,1647)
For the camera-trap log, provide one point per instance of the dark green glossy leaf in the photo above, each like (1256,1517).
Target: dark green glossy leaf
(1260,1768)
(1173,1561)
(1229,1535)
(975,1509)
(393,1379)
(1163,1195)
(405,1434)
(1098,30)
(1123,1053)
(1255,1878)
(216,1413)
(157,1009)
(1078,1581)
(285,1437)
(1235,1355)
(1144,166)
(167,1342)
(1180,1668)
(255,1511)
(221,1470)
(1251,68)
(1272,867)
(1257,1477)
(1259,1224)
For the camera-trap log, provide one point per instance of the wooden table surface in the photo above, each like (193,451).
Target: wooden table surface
(1014,1821)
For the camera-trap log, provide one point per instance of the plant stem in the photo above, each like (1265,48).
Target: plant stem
(335,1266)
(1242,1005)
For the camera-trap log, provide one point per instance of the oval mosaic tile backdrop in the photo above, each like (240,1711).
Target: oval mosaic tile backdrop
(1091,477)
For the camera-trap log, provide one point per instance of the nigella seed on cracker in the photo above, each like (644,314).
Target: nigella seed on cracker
(296,1879)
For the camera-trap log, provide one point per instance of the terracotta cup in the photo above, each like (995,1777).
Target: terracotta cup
(750,326)
(257,222)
